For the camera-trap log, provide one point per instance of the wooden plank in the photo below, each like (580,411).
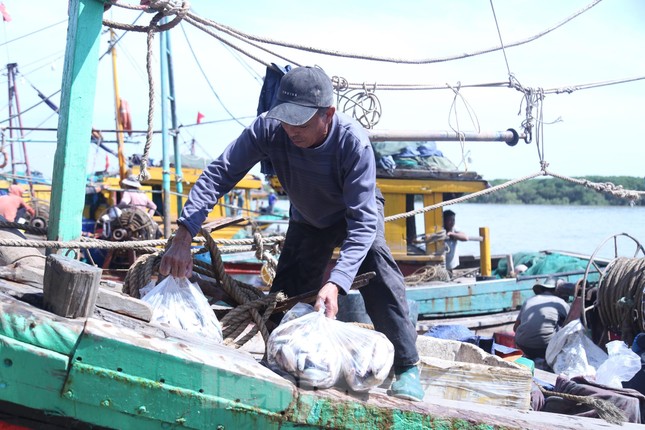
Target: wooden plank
(75,119)
(123,304)
(71,287)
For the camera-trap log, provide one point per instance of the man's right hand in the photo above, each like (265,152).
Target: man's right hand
(178,260)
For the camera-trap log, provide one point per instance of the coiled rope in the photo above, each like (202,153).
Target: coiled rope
(620,297)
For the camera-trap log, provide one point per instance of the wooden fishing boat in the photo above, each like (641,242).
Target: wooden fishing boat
(245,201)
(483,292)
(110,368)
(113,371)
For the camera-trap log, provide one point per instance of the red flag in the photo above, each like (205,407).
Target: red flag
(200,117)
(5,15)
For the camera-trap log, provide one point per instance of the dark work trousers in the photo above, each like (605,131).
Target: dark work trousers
(303,261)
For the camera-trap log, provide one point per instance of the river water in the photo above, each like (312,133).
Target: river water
(582,229)
(518,228)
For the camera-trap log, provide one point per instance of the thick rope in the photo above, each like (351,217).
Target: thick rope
(606,187)
(603,187)
(605,409)
(250,37)
(463,198)
(165,8)
(26,227)
(620,297)
(427,274)
(140,274)
(248,298)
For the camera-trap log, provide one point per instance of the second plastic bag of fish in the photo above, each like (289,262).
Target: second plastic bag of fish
(321,352)
(181,304)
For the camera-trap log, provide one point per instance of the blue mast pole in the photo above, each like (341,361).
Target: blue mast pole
(175,132)
(165,165)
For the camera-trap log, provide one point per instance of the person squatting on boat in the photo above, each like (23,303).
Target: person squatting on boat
(134,198)
(12,205)
(326,165)
(452,237)
(539,318)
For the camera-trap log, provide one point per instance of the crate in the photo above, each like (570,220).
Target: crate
(461,371)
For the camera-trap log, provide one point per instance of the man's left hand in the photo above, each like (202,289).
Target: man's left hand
(328,296)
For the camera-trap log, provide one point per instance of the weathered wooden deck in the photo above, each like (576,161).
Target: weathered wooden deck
(118,372)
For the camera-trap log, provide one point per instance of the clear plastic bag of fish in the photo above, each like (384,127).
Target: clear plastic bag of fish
(178,303)
(322,352)
(301,346)
(368,356)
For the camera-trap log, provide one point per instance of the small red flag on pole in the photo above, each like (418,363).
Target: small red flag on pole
(5,15)
(200,117)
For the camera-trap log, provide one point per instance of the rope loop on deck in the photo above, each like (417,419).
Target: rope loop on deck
(620,297)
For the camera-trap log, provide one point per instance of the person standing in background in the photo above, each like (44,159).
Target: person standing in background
(272,199)
(452,237)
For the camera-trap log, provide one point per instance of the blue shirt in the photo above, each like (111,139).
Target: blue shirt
(333,182)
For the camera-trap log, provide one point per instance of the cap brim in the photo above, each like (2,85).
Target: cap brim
(292,114)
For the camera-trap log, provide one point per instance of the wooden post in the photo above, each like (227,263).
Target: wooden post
(70,287)
(75,120)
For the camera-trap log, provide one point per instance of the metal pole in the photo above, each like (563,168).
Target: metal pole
(10,81)
(165,165)
(510,136)
(11,70)
(175,138)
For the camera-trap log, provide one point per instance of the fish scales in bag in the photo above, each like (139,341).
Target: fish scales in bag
(368,357)
(301,347)
(181,304)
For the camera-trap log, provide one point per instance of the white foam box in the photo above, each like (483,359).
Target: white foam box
(462,371)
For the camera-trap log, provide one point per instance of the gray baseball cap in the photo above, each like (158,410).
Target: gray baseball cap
(303,91)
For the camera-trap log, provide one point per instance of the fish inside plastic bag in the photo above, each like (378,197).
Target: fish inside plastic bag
(181,304)
(622,365)
(317,351)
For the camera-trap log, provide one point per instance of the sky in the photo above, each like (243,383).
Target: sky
(587,132)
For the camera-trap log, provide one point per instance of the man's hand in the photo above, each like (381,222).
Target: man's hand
(328,296)
(178,260)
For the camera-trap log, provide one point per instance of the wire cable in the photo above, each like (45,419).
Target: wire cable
(192,51)
(32,33)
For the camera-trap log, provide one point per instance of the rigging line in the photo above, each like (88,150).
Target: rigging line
(408,87)
(57,56)
(573,88)
(501,42)
(32,33)
(135,64)
(199,23)
(402,60)
(258,78)
(112,45)
(29,108)
(215,121)
(225,42)
(41,123)
(190,47)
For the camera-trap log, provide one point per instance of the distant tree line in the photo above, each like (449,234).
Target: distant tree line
(555,191)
